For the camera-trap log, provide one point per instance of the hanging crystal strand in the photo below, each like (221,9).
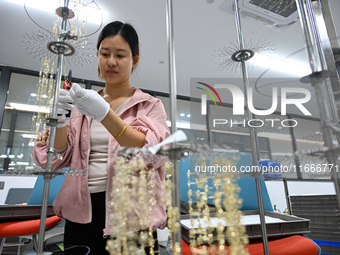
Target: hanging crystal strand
(51,83)
(84,40)
(235,232)
(172,212)
(74,23)
(142,202)
(39,117)
(192,231)
(199,184)
(35,114)
(151,175)
(56,25)
(84,29)
(220,229)
(50,92)
(65,72)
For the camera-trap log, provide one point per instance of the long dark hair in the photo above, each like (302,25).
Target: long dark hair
(123,29)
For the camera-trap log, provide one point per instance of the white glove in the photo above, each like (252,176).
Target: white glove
(65,108)
(89,102)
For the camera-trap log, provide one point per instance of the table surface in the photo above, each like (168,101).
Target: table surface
(22,211)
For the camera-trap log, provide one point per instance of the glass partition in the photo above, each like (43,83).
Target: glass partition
(277,129)
(232,132)
(309,140)
(17,137)
(18,128)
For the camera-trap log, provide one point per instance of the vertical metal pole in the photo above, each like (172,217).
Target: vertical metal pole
(313,61)
(253,134)
(332,154)
(172,66)
(326,54)
(48,175)
(50,151)
(177,236)
(10,139)
(295,149)
(285,186)
(209,132)
(4,85)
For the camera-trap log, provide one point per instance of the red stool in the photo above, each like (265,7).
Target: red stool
(291,245)
(24,228)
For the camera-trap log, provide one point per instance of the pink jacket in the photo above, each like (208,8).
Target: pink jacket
(144,113)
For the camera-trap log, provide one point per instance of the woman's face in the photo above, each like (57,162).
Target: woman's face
(115,60)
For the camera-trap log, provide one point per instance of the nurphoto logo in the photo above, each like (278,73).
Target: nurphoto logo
(238,103)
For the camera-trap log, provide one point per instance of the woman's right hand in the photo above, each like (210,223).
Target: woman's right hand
(89,102)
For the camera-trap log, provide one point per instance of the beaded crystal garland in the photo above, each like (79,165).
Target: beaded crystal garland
(43,45)
(208,238)
(134,190)
(173,213)
(45,86)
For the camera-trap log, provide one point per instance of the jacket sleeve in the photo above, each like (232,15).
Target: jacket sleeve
(39,153)
(152,123)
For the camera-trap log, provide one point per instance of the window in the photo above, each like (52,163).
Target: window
(18,127)
(17,137)
(309,138)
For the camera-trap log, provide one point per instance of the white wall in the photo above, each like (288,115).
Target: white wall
(15,182)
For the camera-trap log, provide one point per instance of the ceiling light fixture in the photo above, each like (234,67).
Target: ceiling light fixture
(27,108)
(272,62)
(90,12)
(179,124)
(30,136)
(23,163)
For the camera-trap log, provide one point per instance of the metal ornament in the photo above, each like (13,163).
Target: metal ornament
(229,57)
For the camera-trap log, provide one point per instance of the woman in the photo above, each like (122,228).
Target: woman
(118,115)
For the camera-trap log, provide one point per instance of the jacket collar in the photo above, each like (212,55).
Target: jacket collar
(138,97)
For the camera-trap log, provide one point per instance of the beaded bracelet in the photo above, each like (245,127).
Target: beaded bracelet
(121,132)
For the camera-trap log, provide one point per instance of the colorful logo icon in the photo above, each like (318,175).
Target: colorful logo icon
(209,93)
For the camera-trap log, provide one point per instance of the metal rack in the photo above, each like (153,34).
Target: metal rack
(320,38)
(60,48)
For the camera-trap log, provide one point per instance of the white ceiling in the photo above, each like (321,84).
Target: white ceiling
(200,29)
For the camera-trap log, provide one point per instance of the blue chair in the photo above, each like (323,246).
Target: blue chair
(36,195)
(246,183)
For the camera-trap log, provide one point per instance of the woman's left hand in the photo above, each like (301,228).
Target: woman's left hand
(89,102)
(43,136)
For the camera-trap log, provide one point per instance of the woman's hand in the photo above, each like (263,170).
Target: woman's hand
(89,102)
(65,108)
(43,136)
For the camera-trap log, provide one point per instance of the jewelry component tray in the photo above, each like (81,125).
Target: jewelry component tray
(277,224)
